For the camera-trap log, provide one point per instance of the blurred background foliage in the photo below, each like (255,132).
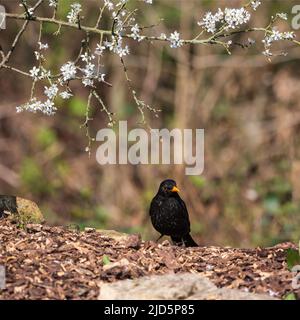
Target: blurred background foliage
(249,193)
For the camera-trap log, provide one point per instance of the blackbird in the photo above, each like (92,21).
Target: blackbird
(169,215)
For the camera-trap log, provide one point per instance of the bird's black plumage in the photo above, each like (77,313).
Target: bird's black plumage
(169,214)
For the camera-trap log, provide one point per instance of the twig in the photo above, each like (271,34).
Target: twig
(141,105)
(104,108)
(86,123)
(18,36)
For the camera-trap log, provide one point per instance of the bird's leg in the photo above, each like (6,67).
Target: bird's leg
(181,243)
(159,237)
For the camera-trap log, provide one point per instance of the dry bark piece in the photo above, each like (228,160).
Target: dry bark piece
(133,241)
(122,263)
(112,234)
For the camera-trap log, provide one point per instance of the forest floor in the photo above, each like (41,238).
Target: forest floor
(44,262)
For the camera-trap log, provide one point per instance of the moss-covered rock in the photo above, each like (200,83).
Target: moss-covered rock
(21,210)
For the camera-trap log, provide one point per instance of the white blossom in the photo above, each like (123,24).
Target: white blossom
(32,106)
(209,22)
(53,3)
(135,32)
(37,55)
(163,36)
(51,92)
(123,51)
(236,17)
(34,72)
(43,46)
(101,77)
(267,53)
(276,35)
(175,41)
(66,95)
(109,4)
(99,50)
(116,45)
(30,11)
(88,82)
(255,4)
(86,57)
(68,71)
(282,16)
(218,23)
(74,12)
(44,74)
(35,105)
(230,18)
(109,45)
(48,108)
(289,35)
(89,70)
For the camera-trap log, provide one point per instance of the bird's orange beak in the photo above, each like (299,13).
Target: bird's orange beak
(175,189)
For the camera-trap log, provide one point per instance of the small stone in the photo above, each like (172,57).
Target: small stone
(185,286)
(122,263)
(34,227)
(133,241)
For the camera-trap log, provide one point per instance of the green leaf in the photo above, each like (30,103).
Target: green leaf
(292,258)
(271,204)
(78,107)
(46,137)
(105,260)
(198,181)
(290,296)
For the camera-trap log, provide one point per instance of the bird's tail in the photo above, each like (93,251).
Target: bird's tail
(186,240)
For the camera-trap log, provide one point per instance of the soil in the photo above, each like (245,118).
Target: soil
(44,262)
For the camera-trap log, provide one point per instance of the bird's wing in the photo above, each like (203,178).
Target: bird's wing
(185,211)
(179,211)
(155,205)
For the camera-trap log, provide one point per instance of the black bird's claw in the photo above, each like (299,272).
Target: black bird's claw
(159,237)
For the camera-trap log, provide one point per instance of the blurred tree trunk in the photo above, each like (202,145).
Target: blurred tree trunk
(183,94)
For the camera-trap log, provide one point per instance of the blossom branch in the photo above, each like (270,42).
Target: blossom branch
(218,28)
